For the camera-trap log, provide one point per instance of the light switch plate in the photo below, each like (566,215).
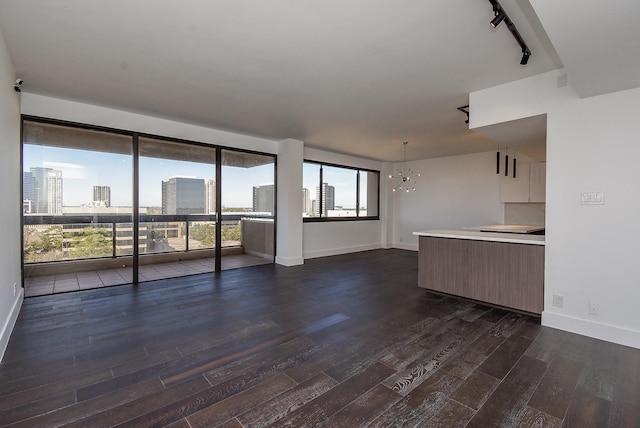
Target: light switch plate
(592,198)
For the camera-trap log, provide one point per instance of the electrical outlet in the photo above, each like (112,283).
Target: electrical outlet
(558,300)
(15,289)
(593,308)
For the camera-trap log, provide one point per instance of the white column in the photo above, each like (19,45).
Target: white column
(289,200)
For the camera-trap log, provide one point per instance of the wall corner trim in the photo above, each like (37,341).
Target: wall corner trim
(284,261)
(7,328)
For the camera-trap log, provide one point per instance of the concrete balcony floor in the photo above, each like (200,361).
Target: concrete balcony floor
(75,281)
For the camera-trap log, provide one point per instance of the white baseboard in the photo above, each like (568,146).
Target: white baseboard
(344,250)
(610,333)
(410,247)
(291,261)
(7,328)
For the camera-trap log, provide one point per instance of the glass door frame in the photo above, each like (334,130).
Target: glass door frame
(135,141)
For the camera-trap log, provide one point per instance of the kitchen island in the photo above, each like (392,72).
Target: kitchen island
(502,269)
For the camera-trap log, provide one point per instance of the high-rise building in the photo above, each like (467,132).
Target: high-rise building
(210,196)
(54,192)
(263,198)
(327,196)
(28,192)
(181,195)
(43,187)
(306,201)
(101,196)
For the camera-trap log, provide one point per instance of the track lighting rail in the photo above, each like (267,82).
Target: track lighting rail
(499,16)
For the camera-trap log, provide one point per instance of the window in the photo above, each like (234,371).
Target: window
(335,192)
(106,198)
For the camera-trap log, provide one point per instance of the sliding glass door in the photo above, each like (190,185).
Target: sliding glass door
(248,208)
(77,190)
(104,207)
(177,208)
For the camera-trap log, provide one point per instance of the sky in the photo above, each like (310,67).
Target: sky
(83,169)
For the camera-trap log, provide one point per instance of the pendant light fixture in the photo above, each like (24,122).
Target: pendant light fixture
(506,163)
(405,179)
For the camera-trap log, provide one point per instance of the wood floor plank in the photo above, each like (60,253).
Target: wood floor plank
(554,392)
(96,358)
(475,390)
(240,403)
(201,368)
(324,406)
(422,403)
(364,409)
(449,414)
(66,415)
(45,390)
(124,414)
(503,358)
(625,407)
(587,410)
(210,396)
(533,418)
(37,407)
(507,405)
(280,407)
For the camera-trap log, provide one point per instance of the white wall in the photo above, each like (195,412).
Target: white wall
(56,108)
(11,200)
(339,237)
(591,251)
(451,193)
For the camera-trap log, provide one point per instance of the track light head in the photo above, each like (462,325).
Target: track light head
(497,19)
(501,15)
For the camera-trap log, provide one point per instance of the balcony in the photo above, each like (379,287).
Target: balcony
(68,253)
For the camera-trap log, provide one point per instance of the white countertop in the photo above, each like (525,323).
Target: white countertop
(515,238)
(506,228)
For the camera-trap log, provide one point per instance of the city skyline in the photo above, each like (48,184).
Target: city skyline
(82,170)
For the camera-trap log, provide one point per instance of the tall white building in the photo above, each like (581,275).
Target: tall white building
(210,196)
(306,201)
(263,198)
(54,192)
(327,198)
(42,190)
(101,196)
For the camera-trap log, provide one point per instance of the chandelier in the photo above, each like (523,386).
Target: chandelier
(404,179)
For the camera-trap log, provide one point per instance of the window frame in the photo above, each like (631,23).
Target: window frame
(136,217)
(358,170)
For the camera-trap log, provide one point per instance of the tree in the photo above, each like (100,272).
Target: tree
(43,246)
(203,232)
(232,234)
(89,242)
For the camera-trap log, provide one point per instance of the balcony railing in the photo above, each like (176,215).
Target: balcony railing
(49,238)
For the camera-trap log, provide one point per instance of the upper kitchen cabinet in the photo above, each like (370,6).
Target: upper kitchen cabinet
(515,189)
(525,138)
(537,182)
(528,185)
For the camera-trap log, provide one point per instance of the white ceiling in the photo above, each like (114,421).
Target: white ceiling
(356,77)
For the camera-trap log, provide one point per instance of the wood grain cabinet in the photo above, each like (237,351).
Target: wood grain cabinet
(500,273)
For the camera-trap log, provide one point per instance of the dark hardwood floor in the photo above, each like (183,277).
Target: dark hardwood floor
(342,341)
